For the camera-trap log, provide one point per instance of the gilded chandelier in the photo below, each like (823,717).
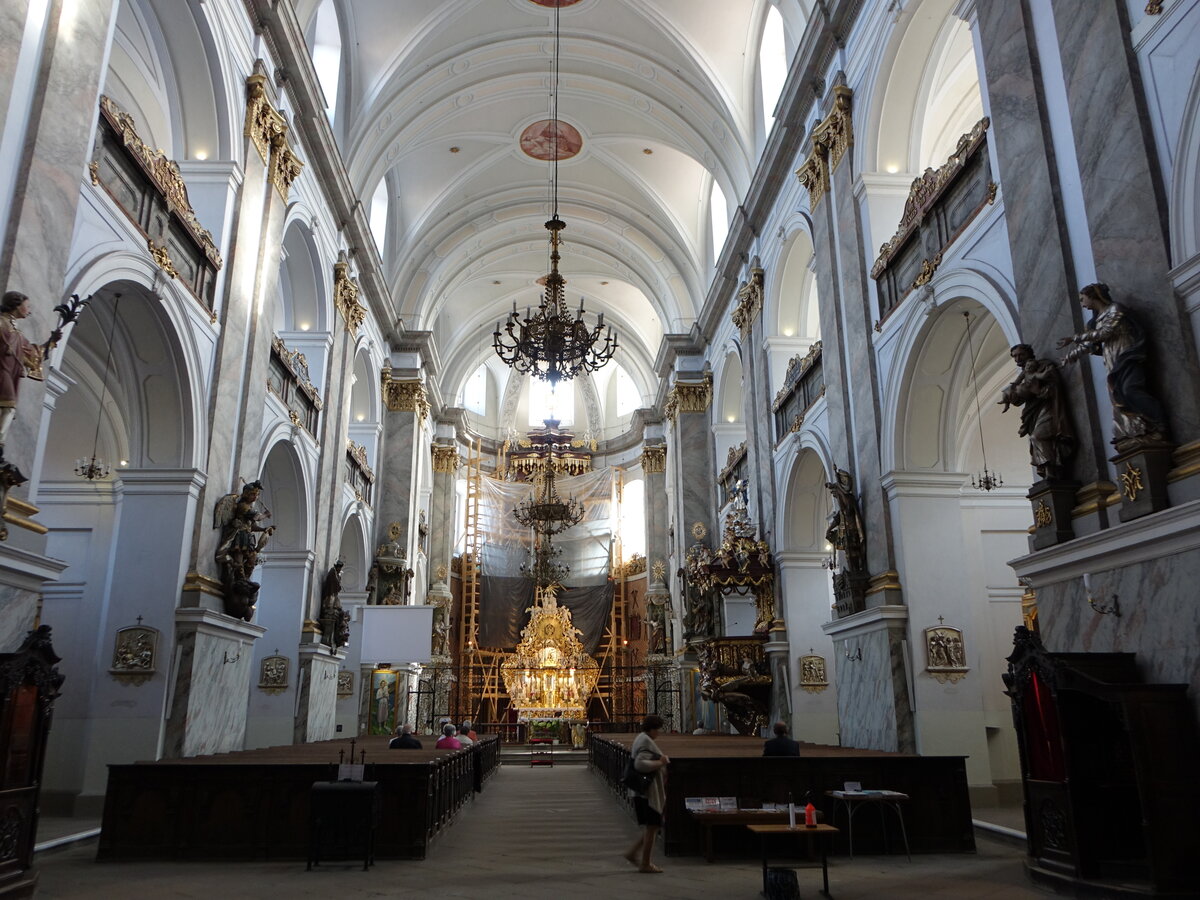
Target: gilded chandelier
(552,344)
(544,511)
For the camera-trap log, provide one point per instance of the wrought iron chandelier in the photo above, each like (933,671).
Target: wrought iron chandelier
(552,344)
(545,569)
(543,510)
(985,480)
(95,468)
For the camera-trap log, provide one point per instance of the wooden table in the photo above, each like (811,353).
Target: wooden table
(853,800)
(827,831)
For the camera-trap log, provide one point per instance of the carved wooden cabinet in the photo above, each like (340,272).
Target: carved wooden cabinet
(1109,770)
(29,683)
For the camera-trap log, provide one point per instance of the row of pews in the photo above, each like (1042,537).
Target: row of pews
(938,815)
(254,804)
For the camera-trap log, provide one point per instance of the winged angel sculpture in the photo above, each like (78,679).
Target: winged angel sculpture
(240,517)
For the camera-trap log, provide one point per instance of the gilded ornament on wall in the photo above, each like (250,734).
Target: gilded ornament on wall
(345,684)
(161,257)
(831,138)
(812,674)
(273,674)
(750,300)
(945,656)
(688,397)
(134,652)
(345,295)
(405,396)
(446,458)
(699,532)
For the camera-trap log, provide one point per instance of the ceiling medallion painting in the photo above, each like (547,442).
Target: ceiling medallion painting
(539,140)
(552,3)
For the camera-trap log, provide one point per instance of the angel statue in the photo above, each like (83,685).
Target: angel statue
(239,516)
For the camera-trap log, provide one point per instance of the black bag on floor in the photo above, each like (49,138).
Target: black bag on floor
(782,885)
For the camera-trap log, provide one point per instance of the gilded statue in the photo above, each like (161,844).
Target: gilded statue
(1038,390)
(243,536)
(1115,334)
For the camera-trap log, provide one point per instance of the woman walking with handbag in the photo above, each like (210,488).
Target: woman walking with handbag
(647,761)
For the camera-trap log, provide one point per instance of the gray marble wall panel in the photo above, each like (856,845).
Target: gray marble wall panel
(1045,277)
(1159,621)
(760,427)
(335,423)
(18,609)
(833,366)
(696,485)
(866,698)
(56,149)
(315,720)
(441,524)
(1122,191)
(214,656)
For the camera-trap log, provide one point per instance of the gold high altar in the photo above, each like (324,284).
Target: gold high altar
(550,675)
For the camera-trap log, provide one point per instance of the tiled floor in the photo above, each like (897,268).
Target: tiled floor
(537,834)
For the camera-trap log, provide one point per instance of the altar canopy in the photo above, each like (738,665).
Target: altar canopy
(507,592)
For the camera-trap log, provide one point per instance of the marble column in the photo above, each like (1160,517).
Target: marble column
(442,509)
(658,513)
(407,412)
(1031,189)
(690,457)
(1124,197)
(760,443)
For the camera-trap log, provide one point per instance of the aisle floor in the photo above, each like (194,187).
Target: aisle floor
(537,834)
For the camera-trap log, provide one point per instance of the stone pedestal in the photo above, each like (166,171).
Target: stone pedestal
(207,706)
(1052,503)
(776,650)
(1142,480)
(317,706)
(22,575)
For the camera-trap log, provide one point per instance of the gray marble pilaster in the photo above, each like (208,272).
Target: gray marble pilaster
(833,366)
(57,145)
(1123,193)
(394,480)
(760,426)
(1046,281)
(211,674)
(441,521)
(317,707)
(691,458)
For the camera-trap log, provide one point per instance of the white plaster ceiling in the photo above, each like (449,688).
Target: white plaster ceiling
(675,77)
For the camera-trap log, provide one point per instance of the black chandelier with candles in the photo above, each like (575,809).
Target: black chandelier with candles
(546,512)
(553,344)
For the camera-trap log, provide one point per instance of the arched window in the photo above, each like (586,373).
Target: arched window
(718,213)
(379,213)
(633,518)
(474,395)
(327,54)
(772,66)
(551,403)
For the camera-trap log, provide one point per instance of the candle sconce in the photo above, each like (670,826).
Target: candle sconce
(1112,608)
(856,656)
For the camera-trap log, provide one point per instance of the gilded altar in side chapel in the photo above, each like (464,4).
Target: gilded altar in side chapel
(550,675)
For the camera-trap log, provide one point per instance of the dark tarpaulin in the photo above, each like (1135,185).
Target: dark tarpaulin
(589,606)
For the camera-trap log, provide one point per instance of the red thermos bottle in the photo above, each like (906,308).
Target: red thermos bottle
(810,816)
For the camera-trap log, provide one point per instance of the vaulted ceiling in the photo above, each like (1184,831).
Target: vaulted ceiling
(433,98)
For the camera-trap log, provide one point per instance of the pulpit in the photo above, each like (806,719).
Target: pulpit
(29,682)
(1109,769)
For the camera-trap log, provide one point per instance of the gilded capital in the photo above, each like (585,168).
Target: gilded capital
(263,121)
(654,459)
(285,166)
(831,138)
(345,296)
(688,397)
(446,458)
(750,301)
(406,396)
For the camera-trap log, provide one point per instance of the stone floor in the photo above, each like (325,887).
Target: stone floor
(537,833)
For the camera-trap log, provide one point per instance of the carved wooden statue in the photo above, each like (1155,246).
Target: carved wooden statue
(1038,391)
(239,516)
(335,621)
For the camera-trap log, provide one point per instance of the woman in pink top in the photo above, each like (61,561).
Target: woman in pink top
(448,741)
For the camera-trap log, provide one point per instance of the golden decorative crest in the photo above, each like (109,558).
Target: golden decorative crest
(635,565)
(812,674)
(735,456)
(405,396)
(285,165)
(928,268)
(925,191)
(658,571)
(358,453)
(1131,482)
(688,397)
(945,656)
(162,259)
(699,532)
(345,296)
(273,674)
(654,459)
(165,174)
(446,458)
(750,301)
(1043,515)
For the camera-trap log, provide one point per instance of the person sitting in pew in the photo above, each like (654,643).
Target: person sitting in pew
(404,739)
(448,741)
(781,744)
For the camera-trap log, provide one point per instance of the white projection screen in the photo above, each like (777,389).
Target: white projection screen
(396,634)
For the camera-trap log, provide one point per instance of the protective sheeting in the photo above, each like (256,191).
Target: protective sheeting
(506,593)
